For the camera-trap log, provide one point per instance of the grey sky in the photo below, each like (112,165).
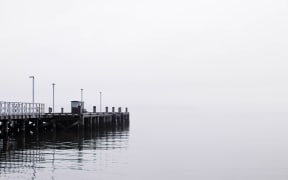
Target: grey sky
(206,55)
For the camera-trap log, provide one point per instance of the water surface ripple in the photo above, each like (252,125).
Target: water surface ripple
(59,155)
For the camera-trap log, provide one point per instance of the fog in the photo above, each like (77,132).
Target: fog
(206,55)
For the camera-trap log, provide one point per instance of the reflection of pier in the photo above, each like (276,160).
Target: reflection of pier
(27,152)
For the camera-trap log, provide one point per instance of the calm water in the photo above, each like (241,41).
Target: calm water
(158,144)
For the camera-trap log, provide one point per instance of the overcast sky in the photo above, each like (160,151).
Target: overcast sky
(206,55)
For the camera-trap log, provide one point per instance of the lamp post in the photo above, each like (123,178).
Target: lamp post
(33,97)
(100,101)
(53,84)
(82,100)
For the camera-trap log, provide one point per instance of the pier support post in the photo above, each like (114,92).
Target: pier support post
(81,122)
(37,125)
(54,126)
(94,109)
(22,126)
(91,123)
(5,128)
(21,140)
(97,122)
(94,122)
(5,147)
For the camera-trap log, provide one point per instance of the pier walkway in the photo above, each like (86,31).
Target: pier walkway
(20,109)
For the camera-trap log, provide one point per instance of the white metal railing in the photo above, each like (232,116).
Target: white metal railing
(20,108)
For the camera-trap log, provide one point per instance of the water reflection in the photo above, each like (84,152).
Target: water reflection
(50,154)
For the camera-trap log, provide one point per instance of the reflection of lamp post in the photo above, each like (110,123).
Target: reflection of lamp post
(100,101)
(32,93)
(53,84)
(82,100)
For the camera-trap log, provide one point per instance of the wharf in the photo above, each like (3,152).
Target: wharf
(18,118)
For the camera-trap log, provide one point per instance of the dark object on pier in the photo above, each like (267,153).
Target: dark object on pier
(75,107)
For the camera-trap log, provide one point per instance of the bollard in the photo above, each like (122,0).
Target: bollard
(126,110)
(94,109)
(50,109)
(106,109)
(113,109)
(119,109)
(62,110)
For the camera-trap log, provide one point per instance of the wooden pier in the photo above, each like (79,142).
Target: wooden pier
(18,118)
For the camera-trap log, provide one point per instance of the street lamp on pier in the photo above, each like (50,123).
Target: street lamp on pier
(100,101)
(33,95)
(53,84)
(82,103)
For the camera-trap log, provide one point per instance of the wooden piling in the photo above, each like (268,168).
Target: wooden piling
(90,123)
(37,124)
(81,122)
(22,125)
(54,125)
(5,128)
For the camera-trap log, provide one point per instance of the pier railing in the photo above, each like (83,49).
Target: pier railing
(20,108)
